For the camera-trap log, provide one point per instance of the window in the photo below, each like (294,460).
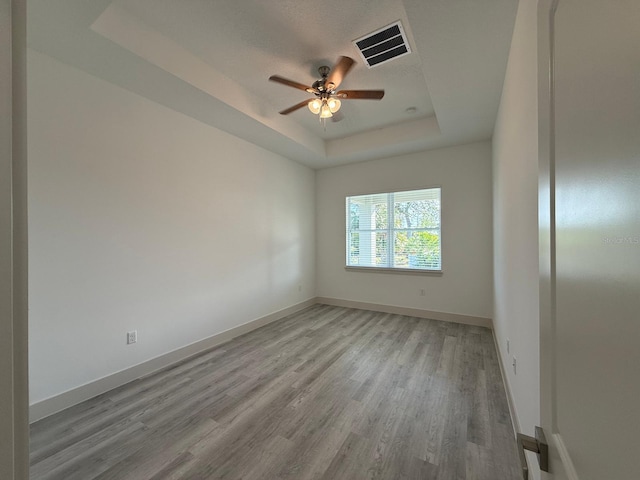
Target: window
(399,230)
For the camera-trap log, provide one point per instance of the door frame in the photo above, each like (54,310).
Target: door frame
(561,466)
(14,378)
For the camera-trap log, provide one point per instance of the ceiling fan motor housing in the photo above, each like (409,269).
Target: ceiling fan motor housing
(321,85)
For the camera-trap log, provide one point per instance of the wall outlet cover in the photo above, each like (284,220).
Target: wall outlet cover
(132,337)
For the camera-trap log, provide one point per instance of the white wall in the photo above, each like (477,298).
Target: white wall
(464,173)
(515,204)
(142,218)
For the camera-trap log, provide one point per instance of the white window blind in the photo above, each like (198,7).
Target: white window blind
(399,230)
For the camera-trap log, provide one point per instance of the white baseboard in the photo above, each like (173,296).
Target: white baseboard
(57,403)
(412,312)
(505,381)
(567,463)
(92,389)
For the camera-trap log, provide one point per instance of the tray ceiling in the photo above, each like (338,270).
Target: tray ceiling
(212,60)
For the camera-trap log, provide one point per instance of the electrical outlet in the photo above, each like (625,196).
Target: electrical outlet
(422,292)
(515,365)
(299,288)
(508,346)
(132,337)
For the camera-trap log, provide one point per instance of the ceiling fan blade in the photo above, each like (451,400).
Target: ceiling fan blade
(291,83)
(339,71)
(360,94)
(295,107)
(337,117)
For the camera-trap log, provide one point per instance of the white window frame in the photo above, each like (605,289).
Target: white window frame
(390,230)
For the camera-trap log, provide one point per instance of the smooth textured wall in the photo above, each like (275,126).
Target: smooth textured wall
(144,219)
(464,288)
(515,214)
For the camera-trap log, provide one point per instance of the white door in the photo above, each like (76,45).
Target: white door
(590,238)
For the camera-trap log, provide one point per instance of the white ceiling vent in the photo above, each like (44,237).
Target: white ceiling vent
(383,45)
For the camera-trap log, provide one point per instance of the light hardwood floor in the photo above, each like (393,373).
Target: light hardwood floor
(327,393)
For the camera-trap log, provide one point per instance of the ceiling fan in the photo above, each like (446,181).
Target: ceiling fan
(327,98)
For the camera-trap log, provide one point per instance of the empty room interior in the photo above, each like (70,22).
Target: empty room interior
(316,240)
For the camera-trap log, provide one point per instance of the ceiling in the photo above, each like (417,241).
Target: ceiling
(211,60)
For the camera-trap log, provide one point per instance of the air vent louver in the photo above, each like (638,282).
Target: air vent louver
(383,45)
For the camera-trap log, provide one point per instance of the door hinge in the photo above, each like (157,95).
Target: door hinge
(537,444)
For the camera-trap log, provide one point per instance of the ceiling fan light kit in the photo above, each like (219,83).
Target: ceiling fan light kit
(326,107)
(315,106)
(325,112)
(334,104)
(327,98)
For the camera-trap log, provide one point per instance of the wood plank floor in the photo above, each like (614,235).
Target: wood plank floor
(328,393)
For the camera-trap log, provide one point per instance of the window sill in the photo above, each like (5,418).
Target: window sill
(412,271)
